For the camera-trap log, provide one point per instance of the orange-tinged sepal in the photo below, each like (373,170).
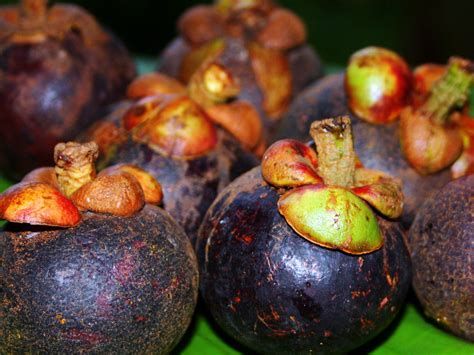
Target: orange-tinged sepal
(241,119)
(117,194)
(38,204)
(428,147)
(201,24)
(151,84)
(289,163)
(181,130)
(150,186)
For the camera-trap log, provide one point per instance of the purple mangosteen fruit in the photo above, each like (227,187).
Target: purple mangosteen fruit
(440,243)
(293,257)
(376,91)
(262,44)
(88,264)
(195,140)
(58,71)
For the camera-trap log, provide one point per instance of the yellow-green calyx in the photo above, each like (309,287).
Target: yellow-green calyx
(328,196)
(451,91)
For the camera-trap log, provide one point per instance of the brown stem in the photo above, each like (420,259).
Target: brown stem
(34,9)
(450,91)
(75,165)
(335,149)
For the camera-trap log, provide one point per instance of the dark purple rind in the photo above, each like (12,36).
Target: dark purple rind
(377,146)
(190,186)
(441,246)
(51,91)
(172,56)
(275,292)
(110,285)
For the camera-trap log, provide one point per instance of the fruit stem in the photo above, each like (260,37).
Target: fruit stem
(335,149)
(450,91)
(75,165)
(34,9)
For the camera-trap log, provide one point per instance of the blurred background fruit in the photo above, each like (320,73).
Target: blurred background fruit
(417,30)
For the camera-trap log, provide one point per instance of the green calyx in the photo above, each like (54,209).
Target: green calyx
(328,201)
(332,217)
(451,91)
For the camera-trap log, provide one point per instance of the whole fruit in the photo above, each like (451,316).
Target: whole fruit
(399,148)
(307,269)
(262,44)
(118,277)
(440,242)
(191,144)
(58,71)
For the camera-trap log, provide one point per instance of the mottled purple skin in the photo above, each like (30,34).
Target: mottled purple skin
(305,66)
(275,292)
(110,285)
(377,146)
(441,246)
(52,90)
(190,185)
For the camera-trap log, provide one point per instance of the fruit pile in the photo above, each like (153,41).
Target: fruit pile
(174,182)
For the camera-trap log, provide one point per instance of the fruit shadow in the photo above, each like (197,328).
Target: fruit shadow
(202,311)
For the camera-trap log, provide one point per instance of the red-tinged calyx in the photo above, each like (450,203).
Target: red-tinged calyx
(154,84)
(181,129)
(273,75)
(325,202)
(449,92)
(289,163)
(75,165)
(151,187)
(212,84)
(380,191)
(38,204)
(378,83)
(335,148)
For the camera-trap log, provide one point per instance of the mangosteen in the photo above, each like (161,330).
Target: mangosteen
(293,259)
(89,265)
(375,91)
(262,44)
(58,71)
(440,242)
(193,140)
